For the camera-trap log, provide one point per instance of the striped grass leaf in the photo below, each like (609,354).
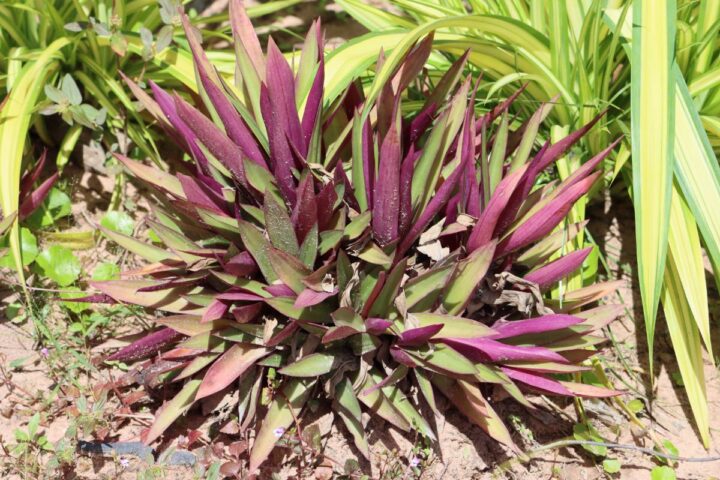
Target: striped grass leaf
(15,118)
(685,305)
(652,117)
(697,171)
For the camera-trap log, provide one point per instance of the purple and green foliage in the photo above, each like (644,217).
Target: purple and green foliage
(374,261)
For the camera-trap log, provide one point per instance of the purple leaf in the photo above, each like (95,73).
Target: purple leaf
(586,168)
(420,124)
(184,132)
(280,290)
(310,297)
(245,37)
(281,88)
(305,215)
(222,148)
(170,284)
(485,349)
(558,149)
(520,193)
(32,176)
(95,298)
(326,205)
(338,333)
(146,346)
(284,334)
(247,313)
(539,382)
(36,198)
(438,200)
(239,297)
(202,195)
(281,156)
(402,357)
(547,275)
(368,160)
(406,174)
(234,125)
(386,197)
(546,323)
(216,310)
(349,194)
(313,104)
(416,337)
(377,326)
(241,265)
(544,221)
(414,62)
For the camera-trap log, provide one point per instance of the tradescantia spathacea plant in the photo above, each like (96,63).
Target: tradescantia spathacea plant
(333,249)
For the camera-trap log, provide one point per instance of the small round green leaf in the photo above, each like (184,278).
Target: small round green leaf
(28,246)
(119,222)
(611,465)
(59,264)
(662,473)
(106,271)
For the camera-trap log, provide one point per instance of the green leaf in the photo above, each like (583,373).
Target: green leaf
(15,118)
(170,411)
(467,276)
(28,247)
(586,432)
(56,205)
(611,465)
(662,473)
(119,222)
(348,407)
(653,130)
(59,264)
(256,244)
(278,225)
(106,271)
(281,413)
(75,307)
(312,365)
(70,90)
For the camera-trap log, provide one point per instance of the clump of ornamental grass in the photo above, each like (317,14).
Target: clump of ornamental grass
(341,251)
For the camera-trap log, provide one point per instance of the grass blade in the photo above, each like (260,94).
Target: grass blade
(652,114)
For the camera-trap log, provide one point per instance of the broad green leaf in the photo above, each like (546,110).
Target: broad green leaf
(145,250)
(56,205)
(313,365)
(170,300)
(59,264)
(378,403)
(28,247)
(279,227)
(284,408)
(118,221)
(288,269)
(468,274)
(662,472)
(229,367)
(422,291)
(347,406)
(256,244)
(586,432)
(171,410)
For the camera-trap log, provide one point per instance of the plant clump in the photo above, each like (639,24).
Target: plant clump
(368,250)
